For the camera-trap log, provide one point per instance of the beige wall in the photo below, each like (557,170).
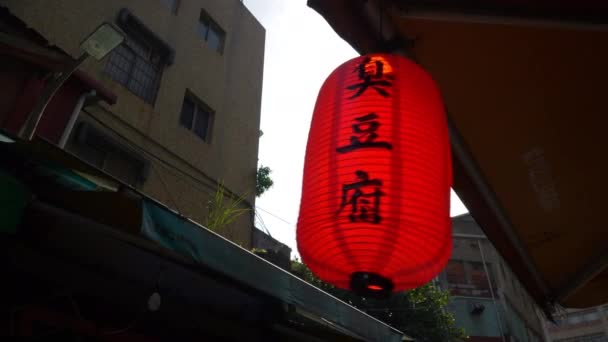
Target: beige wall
(230,83)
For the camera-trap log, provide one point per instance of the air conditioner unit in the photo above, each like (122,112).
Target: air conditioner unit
(475,308)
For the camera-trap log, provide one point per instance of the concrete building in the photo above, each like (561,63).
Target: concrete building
(589,325)
(186,84)
(487,299)
(271,249)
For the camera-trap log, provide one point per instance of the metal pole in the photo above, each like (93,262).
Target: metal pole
(29,128)
(72,121)
(485,267)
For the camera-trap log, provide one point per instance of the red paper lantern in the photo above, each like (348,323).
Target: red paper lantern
(374,215)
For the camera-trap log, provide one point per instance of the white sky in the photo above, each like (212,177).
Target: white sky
(301,51)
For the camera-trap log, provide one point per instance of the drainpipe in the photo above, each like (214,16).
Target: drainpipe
(485,268)
(72,121)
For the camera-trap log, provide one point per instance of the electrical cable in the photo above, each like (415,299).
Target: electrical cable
(169,194)
(275,216)
(261,222)
(168,166)
(171,168)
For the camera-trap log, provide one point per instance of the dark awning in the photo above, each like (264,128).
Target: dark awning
(579,11)
(121,246)
(531,114)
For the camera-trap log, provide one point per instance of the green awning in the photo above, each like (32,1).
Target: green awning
(13,199)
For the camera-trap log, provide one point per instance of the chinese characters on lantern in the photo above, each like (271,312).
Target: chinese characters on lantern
(363,195)
(365,130)
(371,74)
(364,205)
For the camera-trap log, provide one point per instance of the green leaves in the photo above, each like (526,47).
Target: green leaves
(222,210)
(263,180)
(420,313)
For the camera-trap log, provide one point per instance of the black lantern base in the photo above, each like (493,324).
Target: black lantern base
(370,285)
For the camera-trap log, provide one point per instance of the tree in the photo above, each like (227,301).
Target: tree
(420,313)
(263,180)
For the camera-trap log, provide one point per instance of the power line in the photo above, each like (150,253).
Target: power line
(171,168)
(275,216)
(167,165)
(160,177)
(261,222)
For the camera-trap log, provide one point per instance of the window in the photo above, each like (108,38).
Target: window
(137,67)
(138,63)
(469,278)
(171,4)
(197,117)
(575,318)
(586,338)
(455,272)
(98,149)
(478,276)
(211,32)
(582,316)
(592,316)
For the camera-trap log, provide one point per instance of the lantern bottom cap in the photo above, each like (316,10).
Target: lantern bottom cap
(368,284)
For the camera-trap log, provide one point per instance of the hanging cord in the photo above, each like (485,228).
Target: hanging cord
(381,10)
(387,45)
(396,42)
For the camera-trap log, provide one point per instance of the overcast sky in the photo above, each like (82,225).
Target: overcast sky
(301,51)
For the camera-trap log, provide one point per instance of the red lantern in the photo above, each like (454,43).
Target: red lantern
(374,215)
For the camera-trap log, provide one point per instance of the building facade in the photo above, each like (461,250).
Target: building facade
(587,325)
(487,299)
(186,83)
